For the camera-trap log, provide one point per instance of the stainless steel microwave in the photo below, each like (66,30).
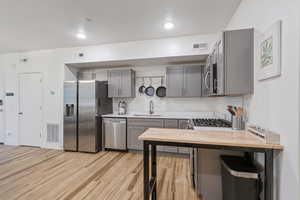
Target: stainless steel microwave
(213,79)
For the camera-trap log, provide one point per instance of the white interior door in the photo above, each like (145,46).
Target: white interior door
(30,113)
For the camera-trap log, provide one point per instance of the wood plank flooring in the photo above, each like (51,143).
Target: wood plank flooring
(33,173)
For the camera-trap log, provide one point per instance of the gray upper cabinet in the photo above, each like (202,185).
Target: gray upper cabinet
(192,81)
(174,81)
(238,58)
(114,82)
(121,83)
(229,69)
(184,81)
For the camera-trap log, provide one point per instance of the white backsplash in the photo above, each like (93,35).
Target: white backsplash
(140,104)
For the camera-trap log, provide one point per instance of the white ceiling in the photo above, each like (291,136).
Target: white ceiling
(44,24)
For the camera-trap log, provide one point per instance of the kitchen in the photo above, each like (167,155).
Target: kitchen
(179,65)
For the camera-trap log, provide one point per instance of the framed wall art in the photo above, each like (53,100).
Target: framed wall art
(270,52)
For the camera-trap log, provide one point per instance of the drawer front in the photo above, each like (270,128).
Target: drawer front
(184,150)
(149,123)
(171,123)
(183,124)
(170,149)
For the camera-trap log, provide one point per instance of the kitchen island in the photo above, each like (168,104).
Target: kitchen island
(226,140)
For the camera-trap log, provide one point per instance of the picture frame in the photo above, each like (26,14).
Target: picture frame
(270,52)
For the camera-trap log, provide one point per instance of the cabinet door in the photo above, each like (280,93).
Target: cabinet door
(174,81)
(132,138)
(114,82)
(239,57)
(183,124)
(192,81)
(126,84)
(170,123)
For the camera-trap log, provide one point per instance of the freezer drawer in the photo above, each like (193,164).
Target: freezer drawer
(115,134)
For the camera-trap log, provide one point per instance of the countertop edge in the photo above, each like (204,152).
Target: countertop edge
(262,146)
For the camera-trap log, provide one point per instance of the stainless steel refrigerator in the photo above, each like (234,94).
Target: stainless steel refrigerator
(84,103)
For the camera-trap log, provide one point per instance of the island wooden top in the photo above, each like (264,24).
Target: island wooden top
(222,138)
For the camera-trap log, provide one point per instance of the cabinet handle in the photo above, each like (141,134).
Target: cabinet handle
(215,84)
(205,79)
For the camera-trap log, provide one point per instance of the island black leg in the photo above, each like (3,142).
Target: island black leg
(146,171)
(269,175)
(153,171)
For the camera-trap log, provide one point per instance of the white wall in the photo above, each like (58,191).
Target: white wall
(52,70)
(140,104)
(275,103)
(299,76)
(51,63)
(2,132)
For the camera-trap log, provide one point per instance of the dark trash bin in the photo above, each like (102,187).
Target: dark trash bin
(240,179)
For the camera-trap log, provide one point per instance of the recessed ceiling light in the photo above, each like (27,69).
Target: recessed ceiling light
(168,25)
(81,36)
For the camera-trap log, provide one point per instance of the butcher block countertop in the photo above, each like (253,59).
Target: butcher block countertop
(222,138)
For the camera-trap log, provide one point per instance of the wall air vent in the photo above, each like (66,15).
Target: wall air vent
(201,46)
(52,133)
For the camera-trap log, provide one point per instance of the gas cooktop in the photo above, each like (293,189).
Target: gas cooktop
(216,123)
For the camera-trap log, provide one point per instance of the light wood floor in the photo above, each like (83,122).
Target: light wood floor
(33,173)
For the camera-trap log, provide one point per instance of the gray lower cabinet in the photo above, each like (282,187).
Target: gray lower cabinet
(121,83)
(183,124)
(132,137)
(137,126)
(170,123)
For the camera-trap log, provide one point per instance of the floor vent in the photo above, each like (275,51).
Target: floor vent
(52,133)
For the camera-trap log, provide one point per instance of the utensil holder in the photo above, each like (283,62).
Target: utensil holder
(237,123)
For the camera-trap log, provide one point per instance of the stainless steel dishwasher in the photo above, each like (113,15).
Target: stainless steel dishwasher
(115,134)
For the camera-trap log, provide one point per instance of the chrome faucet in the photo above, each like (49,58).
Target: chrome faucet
(151,107)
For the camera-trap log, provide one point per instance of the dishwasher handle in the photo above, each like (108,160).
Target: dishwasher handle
(111,120)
